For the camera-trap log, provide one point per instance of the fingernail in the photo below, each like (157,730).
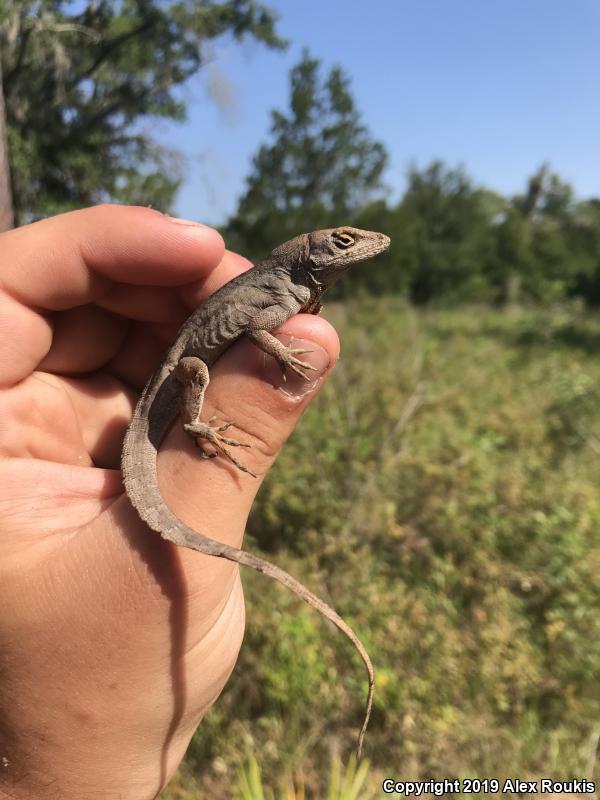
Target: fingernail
(295,385)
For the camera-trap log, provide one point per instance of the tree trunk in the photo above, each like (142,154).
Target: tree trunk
(6,206)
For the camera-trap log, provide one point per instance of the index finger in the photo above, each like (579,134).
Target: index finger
(75,258)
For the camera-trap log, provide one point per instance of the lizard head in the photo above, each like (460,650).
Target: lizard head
(331,252)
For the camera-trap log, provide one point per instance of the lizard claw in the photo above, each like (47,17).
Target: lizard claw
(203,452)
(221,428)
(205,431)
(298,367)
(233,442)
(287,360)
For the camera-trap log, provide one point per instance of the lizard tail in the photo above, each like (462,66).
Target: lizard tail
(201,543)
(141,482)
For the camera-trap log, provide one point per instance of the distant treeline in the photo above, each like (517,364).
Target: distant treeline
(453,242)
(73,107)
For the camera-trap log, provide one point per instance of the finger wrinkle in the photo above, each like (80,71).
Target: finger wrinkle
(41,275)
(103,409)
(144,303)
(74,258)
(85,338)
(141,353)
(39,422)
(142,246)
(25,339)
(70,488)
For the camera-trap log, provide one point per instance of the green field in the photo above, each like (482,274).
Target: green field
(442,494)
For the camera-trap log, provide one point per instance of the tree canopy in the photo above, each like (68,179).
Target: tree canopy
(78,85)
(321,166)
(452,241)
(82,81)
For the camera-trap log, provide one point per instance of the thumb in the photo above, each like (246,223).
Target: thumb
(247,389)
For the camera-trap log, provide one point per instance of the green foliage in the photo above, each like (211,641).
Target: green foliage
(452,242)
(79,82)
(572,416)
(442,494)
(449,234)
(539,242)
(321,166)
(250,783)
(349,783)
(585,247)
(352,782)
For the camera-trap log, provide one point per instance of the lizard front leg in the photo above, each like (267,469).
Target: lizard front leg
(193,375)
(285,356)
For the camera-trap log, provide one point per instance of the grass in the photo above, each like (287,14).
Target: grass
(443,495)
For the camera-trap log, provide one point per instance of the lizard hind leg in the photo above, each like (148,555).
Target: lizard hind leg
(193,375)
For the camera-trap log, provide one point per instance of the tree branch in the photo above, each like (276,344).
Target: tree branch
(14,71)
(114,44)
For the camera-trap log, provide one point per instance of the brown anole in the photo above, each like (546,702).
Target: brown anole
(290,280)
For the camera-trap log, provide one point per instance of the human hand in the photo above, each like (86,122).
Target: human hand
(114,643)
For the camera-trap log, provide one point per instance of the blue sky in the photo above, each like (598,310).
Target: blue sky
(497,86)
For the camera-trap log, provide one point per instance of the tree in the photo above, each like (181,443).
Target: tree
(541,242)
(78,84)
(320,168)
(448,225)
(585,245)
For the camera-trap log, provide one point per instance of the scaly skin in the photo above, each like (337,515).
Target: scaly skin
(291,280)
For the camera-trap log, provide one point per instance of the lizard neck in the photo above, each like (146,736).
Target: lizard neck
(314,305)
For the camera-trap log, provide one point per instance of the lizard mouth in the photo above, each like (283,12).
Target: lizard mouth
(370,247)
(381,243)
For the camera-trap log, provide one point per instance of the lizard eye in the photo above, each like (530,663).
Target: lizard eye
(342,240)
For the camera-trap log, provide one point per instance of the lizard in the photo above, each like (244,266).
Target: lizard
(290,280)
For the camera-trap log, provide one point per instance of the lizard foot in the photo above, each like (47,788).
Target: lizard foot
(211,434)
(286,358)
(284,355)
